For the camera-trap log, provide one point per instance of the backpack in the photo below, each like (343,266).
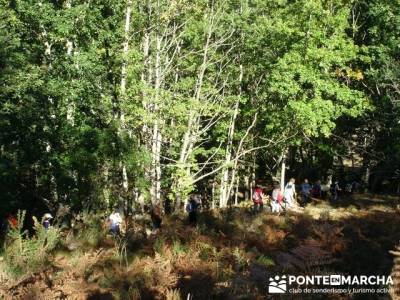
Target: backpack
(191,206)
(288,186)
(256,196)
(188,207)
(280,197)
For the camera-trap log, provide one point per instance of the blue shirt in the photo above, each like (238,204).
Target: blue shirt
(305,187)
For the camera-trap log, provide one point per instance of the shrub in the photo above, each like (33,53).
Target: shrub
(159,245)
(206,251)
(92,230)
(240,258)
(23,254)
(178,248)
(120,250)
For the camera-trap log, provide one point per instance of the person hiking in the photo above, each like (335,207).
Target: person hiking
(335,189)
(191,208)
(290,193)
(115,220)
(46,221)
(316,190)
(12,221)
(355,187)
(258,199)
(305,191)
(277,199)
(9,222)
(156,217)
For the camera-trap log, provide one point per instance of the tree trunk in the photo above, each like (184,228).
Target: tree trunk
(367,174)
(193,123)
(125,182)
(283,170)
(225,188)
(253,176)
(213,195)
(247,180)
(70,103)
(236,191)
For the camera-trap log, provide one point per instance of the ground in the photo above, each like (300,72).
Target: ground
(230,255)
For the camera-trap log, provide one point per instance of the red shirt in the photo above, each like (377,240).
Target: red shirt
(257,197)
(12,220)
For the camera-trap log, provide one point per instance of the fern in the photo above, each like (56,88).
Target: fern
(178,248)
(173,294)
(265,261)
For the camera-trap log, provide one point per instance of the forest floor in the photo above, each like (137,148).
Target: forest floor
(230,255)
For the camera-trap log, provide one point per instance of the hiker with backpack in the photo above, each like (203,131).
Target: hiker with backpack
(316,191)
(156,217)
(277,199)
(305,191)
(290,193)
(46,221)
(335,189)
(191,208)
(258,199)
(115,220)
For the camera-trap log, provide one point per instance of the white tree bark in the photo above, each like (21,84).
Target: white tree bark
(190,135)
(226,188)
(125,51)
(283,170)
(155,190)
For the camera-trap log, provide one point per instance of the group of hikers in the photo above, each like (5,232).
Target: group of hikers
(285,200)
(115,219)
(279,200)
(11,222)
(192,207)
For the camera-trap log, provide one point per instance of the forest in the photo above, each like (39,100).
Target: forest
(164,110)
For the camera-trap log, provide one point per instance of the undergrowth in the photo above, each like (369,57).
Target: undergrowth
(24,254)
(230,254)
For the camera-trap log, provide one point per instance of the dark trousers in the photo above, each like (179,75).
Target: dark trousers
(334,196)
(258,207)
(115,229)
(305,197)
(157,224)
(193,218)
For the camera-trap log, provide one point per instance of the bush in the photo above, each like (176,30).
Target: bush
(159,245)
(178,248)
(91,229)
(23,254)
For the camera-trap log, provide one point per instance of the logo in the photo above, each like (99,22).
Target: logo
(335,280)
(277,285)
(329,284)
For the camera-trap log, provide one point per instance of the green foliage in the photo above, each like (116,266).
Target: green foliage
(121,250)
(23,254)
(178,248)
(91,230)
(265,261)
(206,251)
(69,129)
(159,245)
(240,258)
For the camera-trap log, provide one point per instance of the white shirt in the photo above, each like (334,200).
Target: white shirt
(115,218)
(289,190)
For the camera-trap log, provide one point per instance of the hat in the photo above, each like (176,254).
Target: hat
(48,216)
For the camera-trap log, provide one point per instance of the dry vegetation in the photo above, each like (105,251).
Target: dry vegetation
(229,256)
